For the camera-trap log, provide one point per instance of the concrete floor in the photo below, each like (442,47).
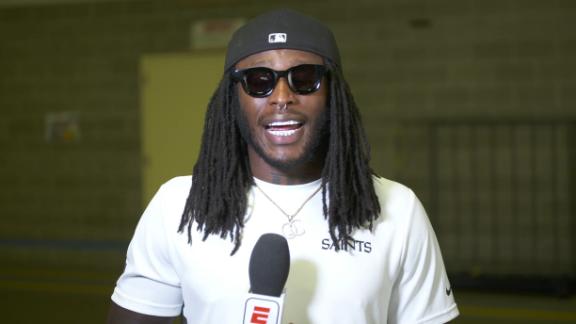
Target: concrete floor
(496,308)
(74,287)
(86,301)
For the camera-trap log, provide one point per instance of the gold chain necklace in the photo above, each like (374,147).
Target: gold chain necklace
(293,227)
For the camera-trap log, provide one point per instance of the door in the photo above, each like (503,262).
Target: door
(175,90)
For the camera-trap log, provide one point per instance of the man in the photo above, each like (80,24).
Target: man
(284,151)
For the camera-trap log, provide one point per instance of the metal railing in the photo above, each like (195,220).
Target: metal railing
(500,193)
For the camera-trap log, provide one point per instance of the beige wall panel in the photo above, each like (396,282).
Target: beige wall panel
(175,90)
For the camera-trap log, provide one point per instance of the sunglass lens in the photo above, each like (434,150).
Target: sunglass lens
(259,81)
(305,78)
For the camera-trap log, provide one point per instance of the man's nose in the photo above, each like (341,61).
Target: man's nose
(282,95)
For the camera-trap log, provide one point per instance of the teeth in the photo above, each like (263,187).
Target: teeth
(283,123)
(276,128)
(282,132)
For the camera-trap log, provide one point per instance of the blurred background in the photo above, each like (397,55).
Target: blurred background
(472,103)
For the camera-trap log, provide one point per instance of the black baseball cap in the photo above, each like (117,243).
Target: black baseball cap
(282,29)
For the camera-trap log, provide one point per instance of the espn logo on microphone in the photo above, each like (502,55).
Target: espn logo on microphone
(261,311)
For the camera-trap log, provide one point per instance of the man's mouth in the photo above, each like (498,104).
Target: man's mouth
(283,128)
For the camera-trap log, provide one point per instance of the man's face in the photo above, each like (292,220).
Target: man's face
(285,131)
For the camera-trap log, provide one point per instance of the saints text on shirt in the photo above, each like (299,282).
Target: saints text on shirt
(351,245)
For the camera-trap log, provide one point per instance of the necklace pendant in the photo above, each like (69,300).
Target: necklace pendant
(293,229)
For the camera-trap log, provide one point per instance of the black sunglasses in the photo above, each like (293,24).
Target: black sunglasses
(260,81)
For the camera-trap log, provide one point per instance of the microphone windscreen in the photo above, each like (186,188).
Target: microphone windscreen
(269,265)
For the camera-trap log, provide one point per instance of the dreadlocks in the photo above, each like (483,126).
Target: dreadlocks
(222,178)
(353,201)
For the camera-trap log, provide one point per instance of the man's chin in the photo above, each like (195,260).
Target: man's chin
(295,160)
(286,163)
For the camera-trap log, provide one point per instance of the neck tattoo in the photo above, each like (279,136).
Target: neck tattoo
(293,227)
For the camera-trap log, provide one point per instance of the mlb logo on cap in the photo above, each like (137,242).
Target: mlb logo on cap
(277,38)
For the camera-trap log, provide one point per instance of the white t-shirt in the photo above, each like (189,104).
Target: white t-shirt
(392,274)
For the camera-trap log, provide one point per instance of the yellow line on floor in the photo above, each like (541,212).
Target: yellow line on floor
(517,313)
(23,274)
(57,287)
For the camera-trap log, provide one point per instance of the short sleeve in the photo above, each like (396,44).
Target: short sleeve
(422,292)
(149,284)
